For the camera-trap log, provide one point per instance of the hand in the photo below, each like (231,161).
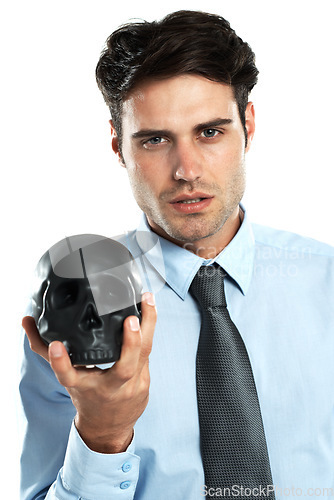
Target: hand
(108,402)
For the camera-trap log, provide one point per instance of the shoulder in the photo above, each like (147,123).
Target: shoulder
(300,263)
(290,243)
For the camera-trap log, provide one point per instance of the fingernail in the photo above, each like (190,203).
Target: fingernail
(149,298)
(134,323)
(56,350)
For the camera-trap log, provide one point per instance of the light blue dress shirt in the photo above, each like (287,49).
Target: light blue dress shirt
(280,296)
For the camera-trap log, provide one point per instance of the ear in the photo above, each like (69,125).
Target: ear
(250,124)
(115,144)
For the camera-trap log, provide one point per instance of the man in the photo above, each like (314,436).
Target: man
(181,125)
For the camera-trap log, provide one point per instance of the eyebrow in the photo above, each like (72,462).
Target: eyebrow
(218,122)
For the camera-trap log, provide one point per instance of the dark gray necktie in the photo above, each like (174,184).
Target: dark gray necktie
(233,443)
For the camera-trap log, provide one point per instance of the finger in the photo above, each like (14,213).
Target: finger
(61,364)
(36,343)
(137,340)
(126,367)
(145,376)
(149,319)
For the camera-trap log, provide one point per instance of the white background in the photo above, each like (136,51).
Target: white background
(58,174)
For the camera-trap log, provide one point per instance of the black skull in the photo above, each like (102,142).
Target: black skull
(87,285)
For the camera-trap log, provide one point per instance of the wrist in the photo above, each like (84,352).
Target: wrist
(103,442)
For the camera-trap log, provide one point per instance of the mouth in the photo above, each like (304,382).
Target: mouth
(191,203)
(193,200)
(190,198)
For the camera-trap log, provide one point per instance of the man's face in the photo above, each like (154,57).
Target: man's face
(184,149)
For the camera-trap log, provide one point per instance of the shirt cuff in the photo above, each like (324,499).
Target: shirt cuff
(92,475)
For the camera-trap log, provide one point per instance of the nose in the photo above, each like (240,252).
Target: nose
(186,162)
(90,319)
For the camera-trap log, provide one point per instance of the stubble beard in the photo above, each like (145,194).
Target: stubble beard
(195,227)
(192,227)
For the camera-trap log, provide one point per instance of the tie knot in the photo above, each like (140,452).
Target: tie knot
(208,286)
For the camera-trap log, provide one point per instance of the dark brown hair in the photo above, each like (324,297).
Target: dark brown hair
(183,42)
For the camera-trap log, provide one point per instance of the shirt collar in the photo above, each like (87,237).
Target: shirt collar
(178,266)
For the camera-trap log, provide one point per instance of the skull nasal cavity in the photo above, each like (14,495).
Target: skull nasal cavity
(90,319)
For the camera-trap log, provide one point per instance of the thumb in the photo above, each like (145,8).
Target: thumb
(61,364)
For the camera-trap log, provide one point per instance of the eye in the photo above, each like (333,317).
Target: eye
(154,141)
(65,295)
(210,133)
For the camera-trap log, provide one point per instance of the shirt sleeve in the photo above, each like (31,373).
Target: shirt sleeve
(55,462)
(90,475)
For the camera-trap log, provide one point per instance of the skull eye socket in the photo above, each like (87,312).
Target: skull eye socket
(65,295)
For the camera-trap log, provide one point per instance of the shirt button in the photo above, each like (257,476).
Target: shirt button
(126,467)
(125,485)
